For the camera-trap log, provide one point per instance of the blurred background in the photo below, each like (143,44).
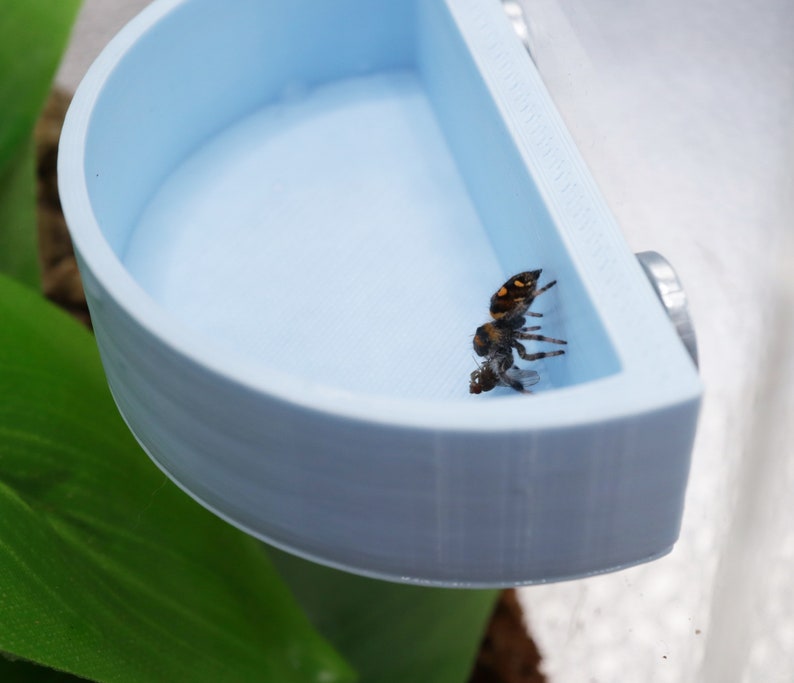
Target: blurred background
(684,112)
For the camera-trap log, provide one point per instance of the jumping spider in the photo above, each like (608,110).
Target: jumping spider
(496,340)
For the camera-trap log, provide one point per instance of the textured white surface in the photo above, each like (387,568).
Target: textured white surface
(684,113)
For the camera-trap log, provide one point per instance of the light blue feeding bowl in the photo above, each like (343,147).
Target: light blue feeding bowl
(290,216)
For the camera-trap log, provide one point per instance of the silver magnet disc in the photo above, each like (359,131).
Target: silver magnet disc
(671,293)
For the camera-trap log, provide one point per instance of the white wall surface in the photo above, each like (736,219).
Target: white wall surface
(684,112)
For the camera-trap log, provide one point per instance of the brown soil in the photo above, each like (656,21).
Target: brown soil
(507,652)
(60,279)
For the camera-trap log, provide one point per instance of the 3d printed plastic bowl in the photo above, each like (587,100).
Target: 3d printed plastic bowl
(290,216)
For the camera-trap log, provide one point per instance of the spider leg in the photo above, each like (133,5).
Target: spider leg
(521,334)
(510,375)
(533,314)
(515,384)
(512,382)
(545,288)
(534,356)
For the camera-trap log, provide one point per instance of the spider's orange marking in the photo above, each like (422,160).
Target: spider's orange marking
(518,283)
(502,291)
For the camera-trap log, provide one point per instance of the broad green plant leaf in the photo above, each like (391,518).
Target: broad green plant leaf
(18,245)
(33,35)
(20,671)
(391,633)
(107,570)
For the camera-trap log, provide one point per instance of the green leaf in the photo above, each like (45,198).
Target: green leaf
(33,35)
(391,633)
(20,671)
(107,570)
(18,246)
